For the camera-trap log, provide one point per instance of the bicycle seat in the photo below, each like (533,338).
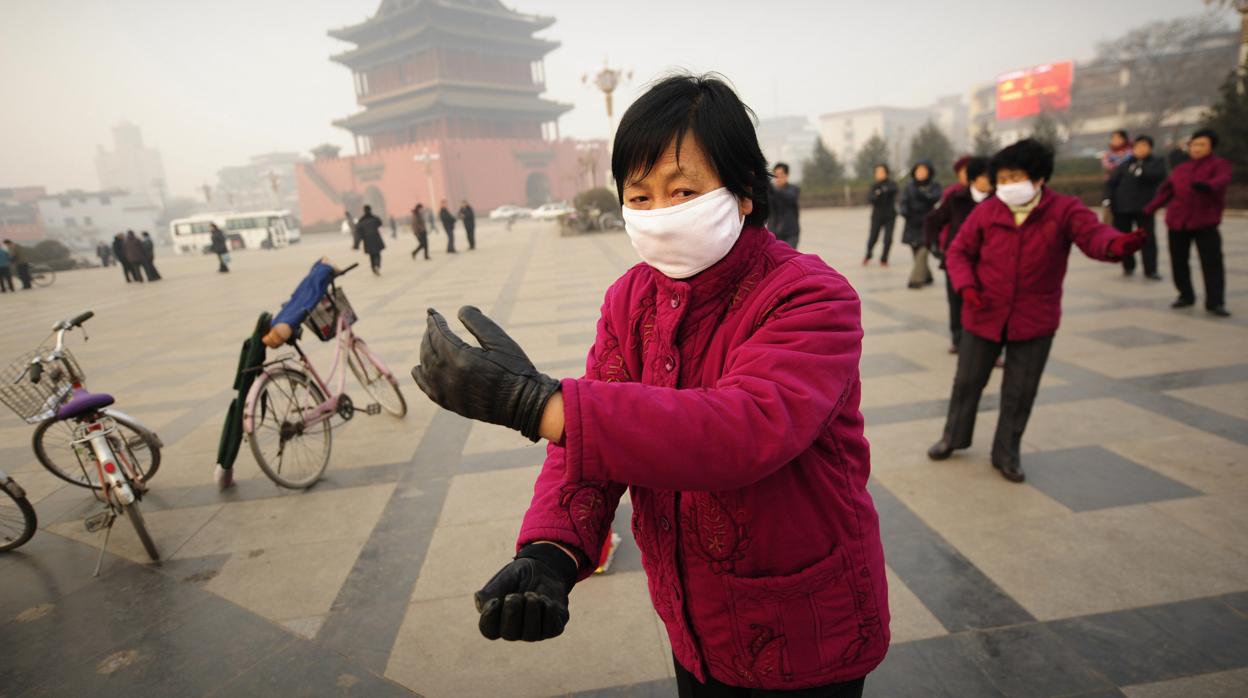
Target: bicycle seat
(83,403)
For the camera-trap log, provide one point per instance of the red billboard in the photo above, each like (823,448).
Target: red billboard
(1029,91)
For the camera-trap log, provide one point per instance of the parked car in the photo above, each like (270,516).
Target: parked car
(509,212)
(552,211)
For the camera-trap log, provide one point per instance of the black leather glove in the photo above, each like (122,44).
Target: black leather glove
(496,383)
(1202,187)
(528,599)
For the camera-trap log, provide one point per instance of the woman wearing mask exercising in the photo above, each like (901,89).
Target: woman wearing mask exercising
(722,392)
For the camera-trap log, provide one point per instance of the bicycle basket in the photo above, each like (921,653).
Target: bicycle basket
(323,318)
(35,402)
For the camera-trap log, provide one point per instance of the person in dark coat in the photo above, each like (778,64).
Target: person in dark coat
(1008,262)
(219,248)
(368,232)
(783,220)
(394,229)
(883,199)
(1128,190)
(420,228)
(1195,197)
(119,253)
(149,256)
(17,259)
(941,228)
(469,217)
(448,224)
(132,247)
(920,196)
(105,253)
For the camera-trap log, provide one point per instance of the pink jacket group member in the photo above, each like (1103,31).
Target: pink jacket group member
(1008,262)
(1194,197)
(722,391)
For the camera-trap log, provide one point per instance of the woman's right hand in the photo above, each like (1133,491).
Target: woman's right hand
(528,598)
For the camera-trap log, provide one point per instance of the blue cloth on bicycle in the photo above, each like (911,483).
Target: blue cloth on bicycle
(306,295)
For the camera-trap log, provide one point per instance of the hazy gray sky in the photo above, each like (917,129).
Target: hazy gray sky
(212,82)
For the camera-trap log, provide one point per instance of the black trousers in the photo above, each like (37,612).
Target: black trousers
(1209,247)
(1130,222)
(221,265)
(976,358)
(955,311)
(6,279)
(471,232)
(132,271)
(687,686)
(879,225)
(150,267)
(422,245)
(450,237)
(374,260)
(23,274)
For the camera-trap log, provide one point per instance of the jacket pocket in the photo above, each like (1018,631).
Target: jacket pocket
(797,625)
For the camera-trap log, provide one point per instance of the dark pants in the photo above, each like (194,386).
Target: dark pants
(687,686)
(976,358)
(1130,222)
(879,225)
(23,275)
(955,311)
(422,245)
(221,265)
(150,267)
(450,237)
(1209,247)
(6,279)
(471,232)
(132,271)
(374,260)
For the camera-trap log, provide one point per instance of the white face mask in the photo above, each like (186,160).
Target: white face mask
(978,196)
(1017,193)
(687,238)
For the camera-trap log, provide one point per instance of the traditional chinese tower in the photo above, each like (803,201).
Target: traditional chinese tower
(452,108)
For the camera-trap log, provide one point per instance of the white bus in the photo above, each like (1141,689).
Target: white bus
(251,230)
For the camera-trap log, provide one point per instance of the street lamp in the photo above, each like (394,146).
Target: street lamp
(428,159)
(607,80)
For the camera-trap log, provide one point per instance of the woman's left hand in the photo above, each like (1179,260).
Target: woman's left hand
(495,383)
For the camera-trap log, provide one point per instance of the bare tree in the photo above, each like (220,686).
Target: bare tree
(1170,68)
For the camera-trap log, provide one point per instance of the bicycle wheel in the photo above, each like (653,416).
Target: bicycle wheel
(17,517)
(53,448)
(135,515)
(291,453)
(371,374)
(42,277)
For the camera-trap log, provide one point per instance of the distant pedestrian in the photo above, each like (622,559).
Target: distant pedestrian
(943,224)
(220,249)
(105,253)
(149,257)
(448,224)
(1129,189)
(1194,197)
(883,200)
(348,224)
(17,259)
(469,217)
(1118,152)
(783,211)
(132,247)
(920,196)
(420,228)
(6,269)
(368,233)
(119,254)
(394,229)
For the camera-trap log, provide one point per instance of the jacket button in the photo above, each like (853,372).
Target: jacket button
(669,364)
(664,523)
(675,301)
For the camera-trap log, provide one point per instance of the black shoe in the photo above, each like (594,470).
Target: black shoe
(1218,311)
(940,450)
(1154,276)
(1011,471)
(913,285)
(1128,272)
(1182,303)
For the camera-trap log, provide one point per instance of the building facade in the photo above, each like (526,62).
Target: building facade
(130,165)
(82,219)
(844,133)
(787,139)
(267,182)
(451,102)
(19,214)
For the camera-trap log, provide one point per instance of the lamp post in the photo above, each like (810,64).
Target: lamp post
(607,80)
(428,159)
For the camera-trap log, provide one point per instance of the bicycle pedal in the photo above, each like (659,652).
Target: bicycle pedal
(98,522)
(373,409)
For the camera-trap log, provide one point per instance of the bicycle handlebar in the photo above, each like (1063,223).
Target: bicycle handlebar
(344,271)
(83,317)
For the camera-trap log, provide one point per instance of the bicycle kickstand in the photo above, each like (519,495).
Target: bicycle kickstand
(93,523)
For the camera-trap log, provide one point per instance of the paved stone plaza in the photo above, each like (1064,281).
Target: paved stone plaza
(1119,568)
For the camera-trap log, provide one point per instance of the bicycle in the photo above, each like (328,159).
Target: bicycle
(17,516)
(288,411)
(114,454)
(42,275)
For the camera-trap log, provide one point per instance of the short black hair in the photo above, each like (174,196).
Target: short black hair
(975,166)
(781,166)
(879,165)
(1121,132)
(705,107)
(1029,155)
(1206,133)
(368,209)
(1146,139)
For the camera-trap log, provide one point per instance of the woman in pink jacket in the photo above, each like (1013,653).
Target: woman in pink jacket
(1008,263)
(722,392)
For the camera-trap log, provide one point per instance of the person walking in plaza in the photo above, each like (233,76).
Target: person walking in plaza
(783,220)
(469,217)
(17,259)
(941,228)
(6,269)
(368,233)
(1128,190)
(132,246)
(105,253)
(1195,197)
(1008,262)
(149,257)
(448,224)
(420,228)
(119,254)
(1117,153)
(219,248)
(883,200)
(394,229)
(722,391)
(920,196)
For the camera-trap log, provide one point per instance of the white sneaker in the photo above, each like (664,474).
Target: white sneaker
(224,478)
